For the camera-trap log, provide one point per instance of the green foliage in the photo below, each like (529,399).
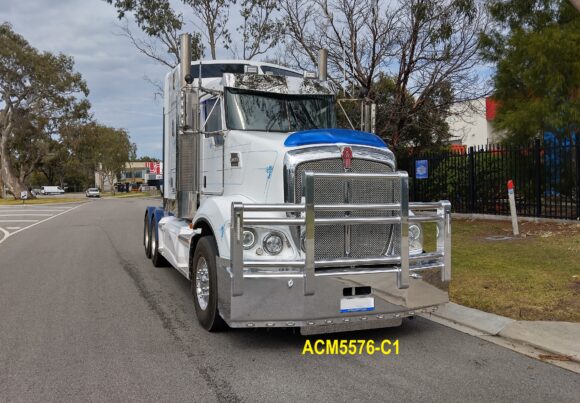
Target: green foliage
(425,128)
(145,158)
(157,19)
(46,133)
(536,48)
(154,17)
(40,92)
(100,148)
(214,16)
(259,31)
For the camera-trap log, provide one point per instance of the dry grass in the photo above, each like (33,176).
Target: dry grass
(123,195)
(532,277)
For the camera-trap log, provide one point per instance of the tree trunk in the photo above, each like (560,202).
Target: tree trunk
(9,177)
(1,183)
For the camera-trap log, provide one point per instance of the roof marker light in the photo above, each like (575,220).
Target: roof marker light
(250,69)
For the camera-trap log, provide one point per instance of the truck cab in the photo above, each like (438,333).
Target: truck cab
(281,219)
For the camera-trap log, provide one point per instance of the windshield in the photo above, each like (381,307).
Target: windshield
(262,111)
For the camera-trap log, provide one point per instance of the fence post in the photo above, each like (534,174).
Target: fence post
(413,178)
(577,177)
(538,163)
(471,161)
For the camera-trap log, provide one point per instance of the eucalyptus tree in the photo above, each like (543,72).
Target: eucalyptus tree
(39,93)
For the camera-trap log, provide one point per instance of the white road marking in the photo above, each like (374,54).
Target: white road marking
(13,227)
(29,209)
(24,214)
(19,220)
(8,234)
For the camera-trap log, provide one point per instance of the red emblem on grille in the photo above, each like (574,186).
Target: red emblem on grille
(346,157)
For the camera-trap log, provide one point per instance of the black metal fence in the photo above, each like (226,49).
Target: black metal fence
(546,177)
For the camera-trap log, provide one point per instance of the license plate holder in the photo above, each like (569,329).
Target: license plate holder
(357,304)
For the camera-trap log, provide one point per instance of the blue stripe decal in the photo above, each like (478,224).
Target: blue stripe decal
(333,136)
(357,310)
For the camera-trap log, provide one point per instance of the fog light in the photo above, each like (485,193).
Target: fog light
(273,243)
(248,239)
(415,239)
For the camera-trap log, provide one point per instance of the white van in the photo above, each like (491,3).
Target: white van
(51,190)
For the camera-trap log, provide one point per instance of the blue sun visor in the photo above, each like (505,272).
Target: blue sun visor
(333,136)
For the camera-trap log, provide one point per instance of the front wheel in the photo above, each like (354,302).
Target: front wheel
(204,285)
(147,236)
(156,257)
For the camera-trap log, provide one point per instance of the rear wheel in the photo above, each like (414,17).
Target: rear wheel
(156,258)
(204,285)
(147,236)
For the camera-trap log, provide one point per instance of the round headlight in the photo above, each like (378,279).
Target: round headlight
(249,239)
(273,243)
(414,232)
(415,239)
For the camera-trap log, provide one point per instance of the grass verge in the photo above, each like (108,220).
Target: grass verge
(127,195)
(532,277)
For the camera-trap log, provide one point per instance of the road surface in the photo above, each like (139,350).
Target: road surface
(86,317)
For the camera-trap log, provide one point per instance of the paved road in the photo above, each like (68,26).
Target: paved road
(17,218)
(85,317)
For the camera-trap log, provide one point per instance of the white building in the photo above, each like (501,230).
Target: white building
(474,125)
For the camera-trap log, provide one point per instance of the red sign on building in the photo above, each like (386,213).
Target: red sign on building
(154,168)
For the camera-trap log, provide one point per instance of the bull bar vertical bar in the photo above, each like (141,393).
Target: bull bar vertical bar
(444,242)
(309,237)
(236,248)
(403,274)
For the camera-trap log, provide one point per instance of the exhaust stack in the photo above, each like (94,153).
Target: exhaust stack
(188,161)
(322,64)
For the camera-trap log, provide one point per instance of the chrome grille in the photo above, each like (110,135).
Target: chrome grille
(365,240)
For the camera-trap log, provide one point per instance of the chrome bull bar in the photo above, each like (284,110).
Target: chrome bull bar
(402,265)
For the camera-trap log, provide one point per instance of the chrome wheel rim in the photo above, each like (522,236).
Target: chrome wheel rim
(202,283)
(154,239)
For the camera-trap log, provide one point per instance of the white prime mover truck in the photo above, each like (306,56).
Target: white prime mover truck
(278,218)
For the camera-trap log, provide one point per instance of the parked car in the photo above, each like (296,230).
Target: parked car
(93,192)
(51,190)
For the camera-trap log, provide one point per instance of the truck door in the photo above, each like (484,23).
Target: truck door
(213,146)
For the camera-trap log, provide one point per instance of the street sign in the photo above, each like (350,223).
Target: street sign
(421,169)
(24,195)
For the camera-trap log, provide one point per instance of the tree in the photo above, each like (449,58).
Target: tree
(39,93)
(213,16)
(537,80)
(259,31)
(162,25)
(158,19)
(427,48)
(146,158)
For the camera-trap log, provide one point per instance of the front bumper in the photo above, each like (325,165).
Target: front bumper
(311,294)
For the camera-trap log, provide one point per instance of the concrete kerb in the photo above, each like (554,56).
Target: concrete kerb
(559,338)
(491,217)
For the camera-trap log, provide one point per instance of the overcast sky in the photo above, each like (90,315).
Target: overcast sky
(113,69)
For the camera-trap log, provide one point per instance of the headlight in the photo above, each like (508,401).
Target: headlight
(273,243)
(415,239)
(249,239)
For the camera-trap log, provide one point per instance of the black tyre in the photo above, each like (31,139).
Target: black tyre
(147,236)
(204,285)
(156,258)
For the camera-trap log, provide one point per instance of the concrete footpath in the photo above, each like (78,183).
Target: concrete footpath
(556,342)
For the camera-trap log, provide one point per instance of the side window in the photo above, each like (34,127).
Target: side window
(213,115)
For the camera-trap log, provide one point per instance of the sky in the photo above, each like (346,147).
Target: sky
(88,31)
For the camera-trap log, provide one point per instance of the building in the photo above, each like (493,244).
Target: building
(474,125)
(146,173)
